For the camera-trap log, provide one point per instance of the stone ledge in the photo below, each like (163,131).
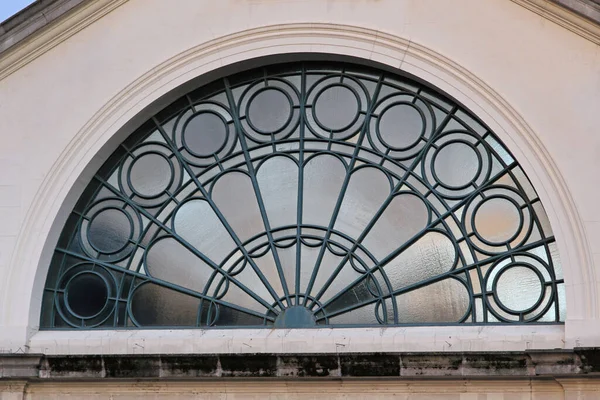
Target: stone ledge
(580,363)
(33,18)
(589,9)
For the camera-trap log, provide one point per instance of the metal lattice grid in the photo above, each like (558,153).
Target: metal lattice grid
(307,195)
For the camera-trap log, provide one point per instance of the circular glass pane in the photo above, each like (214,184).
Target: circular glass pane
(518,288)
(401,126)
(269,111)
(205,134)
(497,220)
(336,107)
(87,294)
(150,175)
(456,164)
(109,231)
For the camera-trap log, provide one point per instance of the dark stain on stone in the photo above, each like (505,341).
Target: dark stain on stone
(78,365)
(132,367)
(496,361)
(249,366)
(435,365)
(590,359)
(190,365)
(456,363)
(308,366)
(370,365)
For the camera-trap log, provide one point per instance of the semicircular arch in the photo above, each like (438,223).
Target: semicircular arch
(31,258)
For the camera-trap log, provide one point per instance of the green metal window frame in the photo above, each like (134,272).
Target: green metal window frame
(101,276)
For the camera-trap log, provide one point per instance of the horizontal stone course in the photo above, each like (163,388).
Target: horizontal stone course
(538,364)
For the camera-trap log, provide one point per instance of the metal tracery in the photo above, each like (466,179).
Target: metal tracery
(307,195)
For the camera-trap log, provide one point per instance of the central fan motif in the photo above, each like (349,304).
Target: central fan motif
(307,197)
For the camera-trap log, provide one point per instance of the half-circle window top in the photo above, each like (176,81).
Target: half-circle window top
(307,195)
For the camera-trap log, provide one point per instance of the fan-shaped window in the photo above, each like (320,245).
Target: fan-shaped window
(307,195)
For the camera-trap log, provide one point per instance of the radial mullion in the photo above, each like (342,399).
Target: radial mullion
(424,282)
(184,243)
(344,187)
(300,205)
(217,212)
(257,193)
(407,172)
(413,239)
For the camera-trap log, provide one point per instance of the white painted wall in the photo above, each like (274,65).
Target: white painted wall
(536,84)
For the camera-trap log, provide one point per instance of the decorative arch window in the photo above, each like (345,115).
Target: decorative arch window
(306,195)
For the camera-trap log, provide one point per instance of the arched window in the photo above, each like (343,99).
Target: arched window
(305,195)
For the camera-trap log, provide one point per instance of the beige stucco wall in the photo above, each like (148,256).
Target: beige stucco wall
(311,390)
(534,82)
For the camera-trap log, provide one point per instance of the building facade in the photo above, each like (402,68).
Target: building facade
(172,223)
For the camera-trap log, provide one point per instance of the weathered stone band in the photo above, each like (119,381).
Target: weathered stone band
(535,364)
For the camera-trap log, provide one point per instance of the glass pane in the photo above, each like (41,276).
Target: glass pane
(367,190)
(278,182)
(205,134)
(110,230)
(518,288)
(151,174)
(270,110)
(401,126)
(403,218)
(323,179)
(456,164)
(234,195)
(197,224)
(153,305)
(445,301)
(336,107)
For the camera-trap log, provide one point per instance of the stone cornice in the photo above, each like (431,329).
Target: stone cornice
(587,8)
(46,28)
(571,19)
(32,19)
(552,364)
(47,23)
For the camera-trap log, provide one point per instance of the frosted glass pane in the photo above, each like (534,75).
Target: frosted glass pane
(456,164)
(518,288)
(445,301)
(404,217)
(268,267)
(362,315)
(431,255)
(269,110)
(336,107)
(150,175)
(401,126)
(345,279)
(197,224)
(234,195)
(323,178)
(169,260)
(497,220)
(153,305)
(278,182)
(367,190)
(109,230)
(205,134)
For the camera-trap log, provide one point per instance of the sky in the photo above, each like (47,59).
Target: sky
(10,7)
